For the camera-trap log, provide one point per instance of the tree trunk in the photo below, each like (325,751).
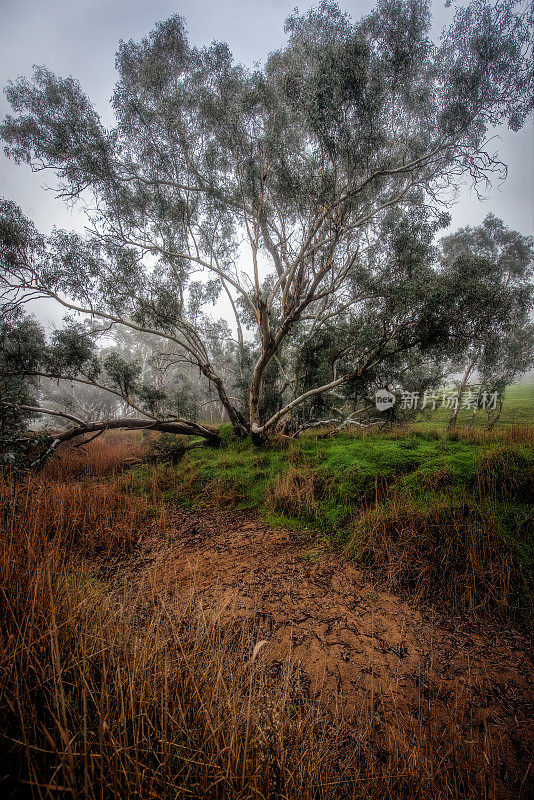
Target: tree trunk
(211,436)
(496,418)
(461,390)
(236,418)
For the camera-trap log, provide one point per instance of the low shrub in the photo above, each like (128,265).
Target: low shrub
(167,447)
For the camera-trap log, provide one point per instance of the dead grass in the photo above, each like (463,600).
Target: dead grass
(296,493)
(102,698)
(506,472)
(106,455)
(449,553)
(88,519)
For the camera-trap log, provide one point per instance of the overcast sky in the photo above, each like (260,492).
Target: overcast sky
(80,38)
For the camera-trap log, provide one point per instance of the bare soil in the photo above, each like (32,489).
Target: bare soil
(369,653)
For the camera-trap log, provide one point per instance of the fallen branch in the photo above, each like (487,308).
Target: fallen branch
(182,427)
(336,424)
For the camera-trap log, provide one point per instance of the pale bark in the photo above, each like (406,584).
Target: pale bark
(127,423)
(467,374)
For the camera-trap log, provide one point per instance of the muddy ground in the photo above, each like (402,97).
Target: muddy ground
(370,654)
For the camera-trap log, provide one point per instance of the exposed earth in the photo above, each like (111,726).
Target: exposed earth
(368,653)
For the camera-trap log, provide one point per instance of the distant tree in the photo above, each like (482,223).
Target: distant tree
(21,346)
(84,401)
(273,188)
(488,271)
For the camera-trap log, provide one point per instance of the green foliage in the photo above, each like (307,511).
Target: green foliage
(22,345)
(351,470)
(18,447)
(182,404)
(340,150)
(123,373)
(72,351)
(151,398)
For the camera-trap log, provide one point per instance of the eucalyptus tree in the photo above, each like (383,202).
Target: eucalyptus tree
(488,273)
(269,187)
(21,345)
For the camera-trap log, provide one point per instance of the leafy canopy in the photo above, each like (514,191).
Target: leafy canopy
(277,187)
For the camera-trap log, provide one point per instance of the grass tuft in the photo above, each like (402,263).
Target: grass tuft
(105,694)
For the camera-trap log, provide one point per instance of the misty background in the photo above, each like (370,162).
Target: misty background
(80,38)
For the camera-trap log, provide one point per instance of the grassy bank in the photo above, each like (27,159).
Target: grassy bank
(446,516)
(102,698)
(104,694)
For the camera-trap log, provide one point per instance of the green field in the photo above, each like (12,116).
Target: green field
(518,409)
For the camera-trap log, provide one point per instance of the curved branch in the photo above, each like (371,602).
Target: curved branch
(298,400)
(53,412)
(163,426)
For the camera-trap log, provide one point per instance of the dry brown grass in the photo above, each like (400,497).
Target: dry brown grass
(102,698)
(105,455)
(88,519)
(506,472)
(296,493)
(514,434)
(450,554)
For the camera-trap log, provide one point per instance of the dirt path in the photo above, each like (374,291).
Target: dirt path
(356,644)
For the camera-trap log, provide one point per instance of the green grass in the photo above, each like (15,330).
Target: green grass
(350,471)
(447,516)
